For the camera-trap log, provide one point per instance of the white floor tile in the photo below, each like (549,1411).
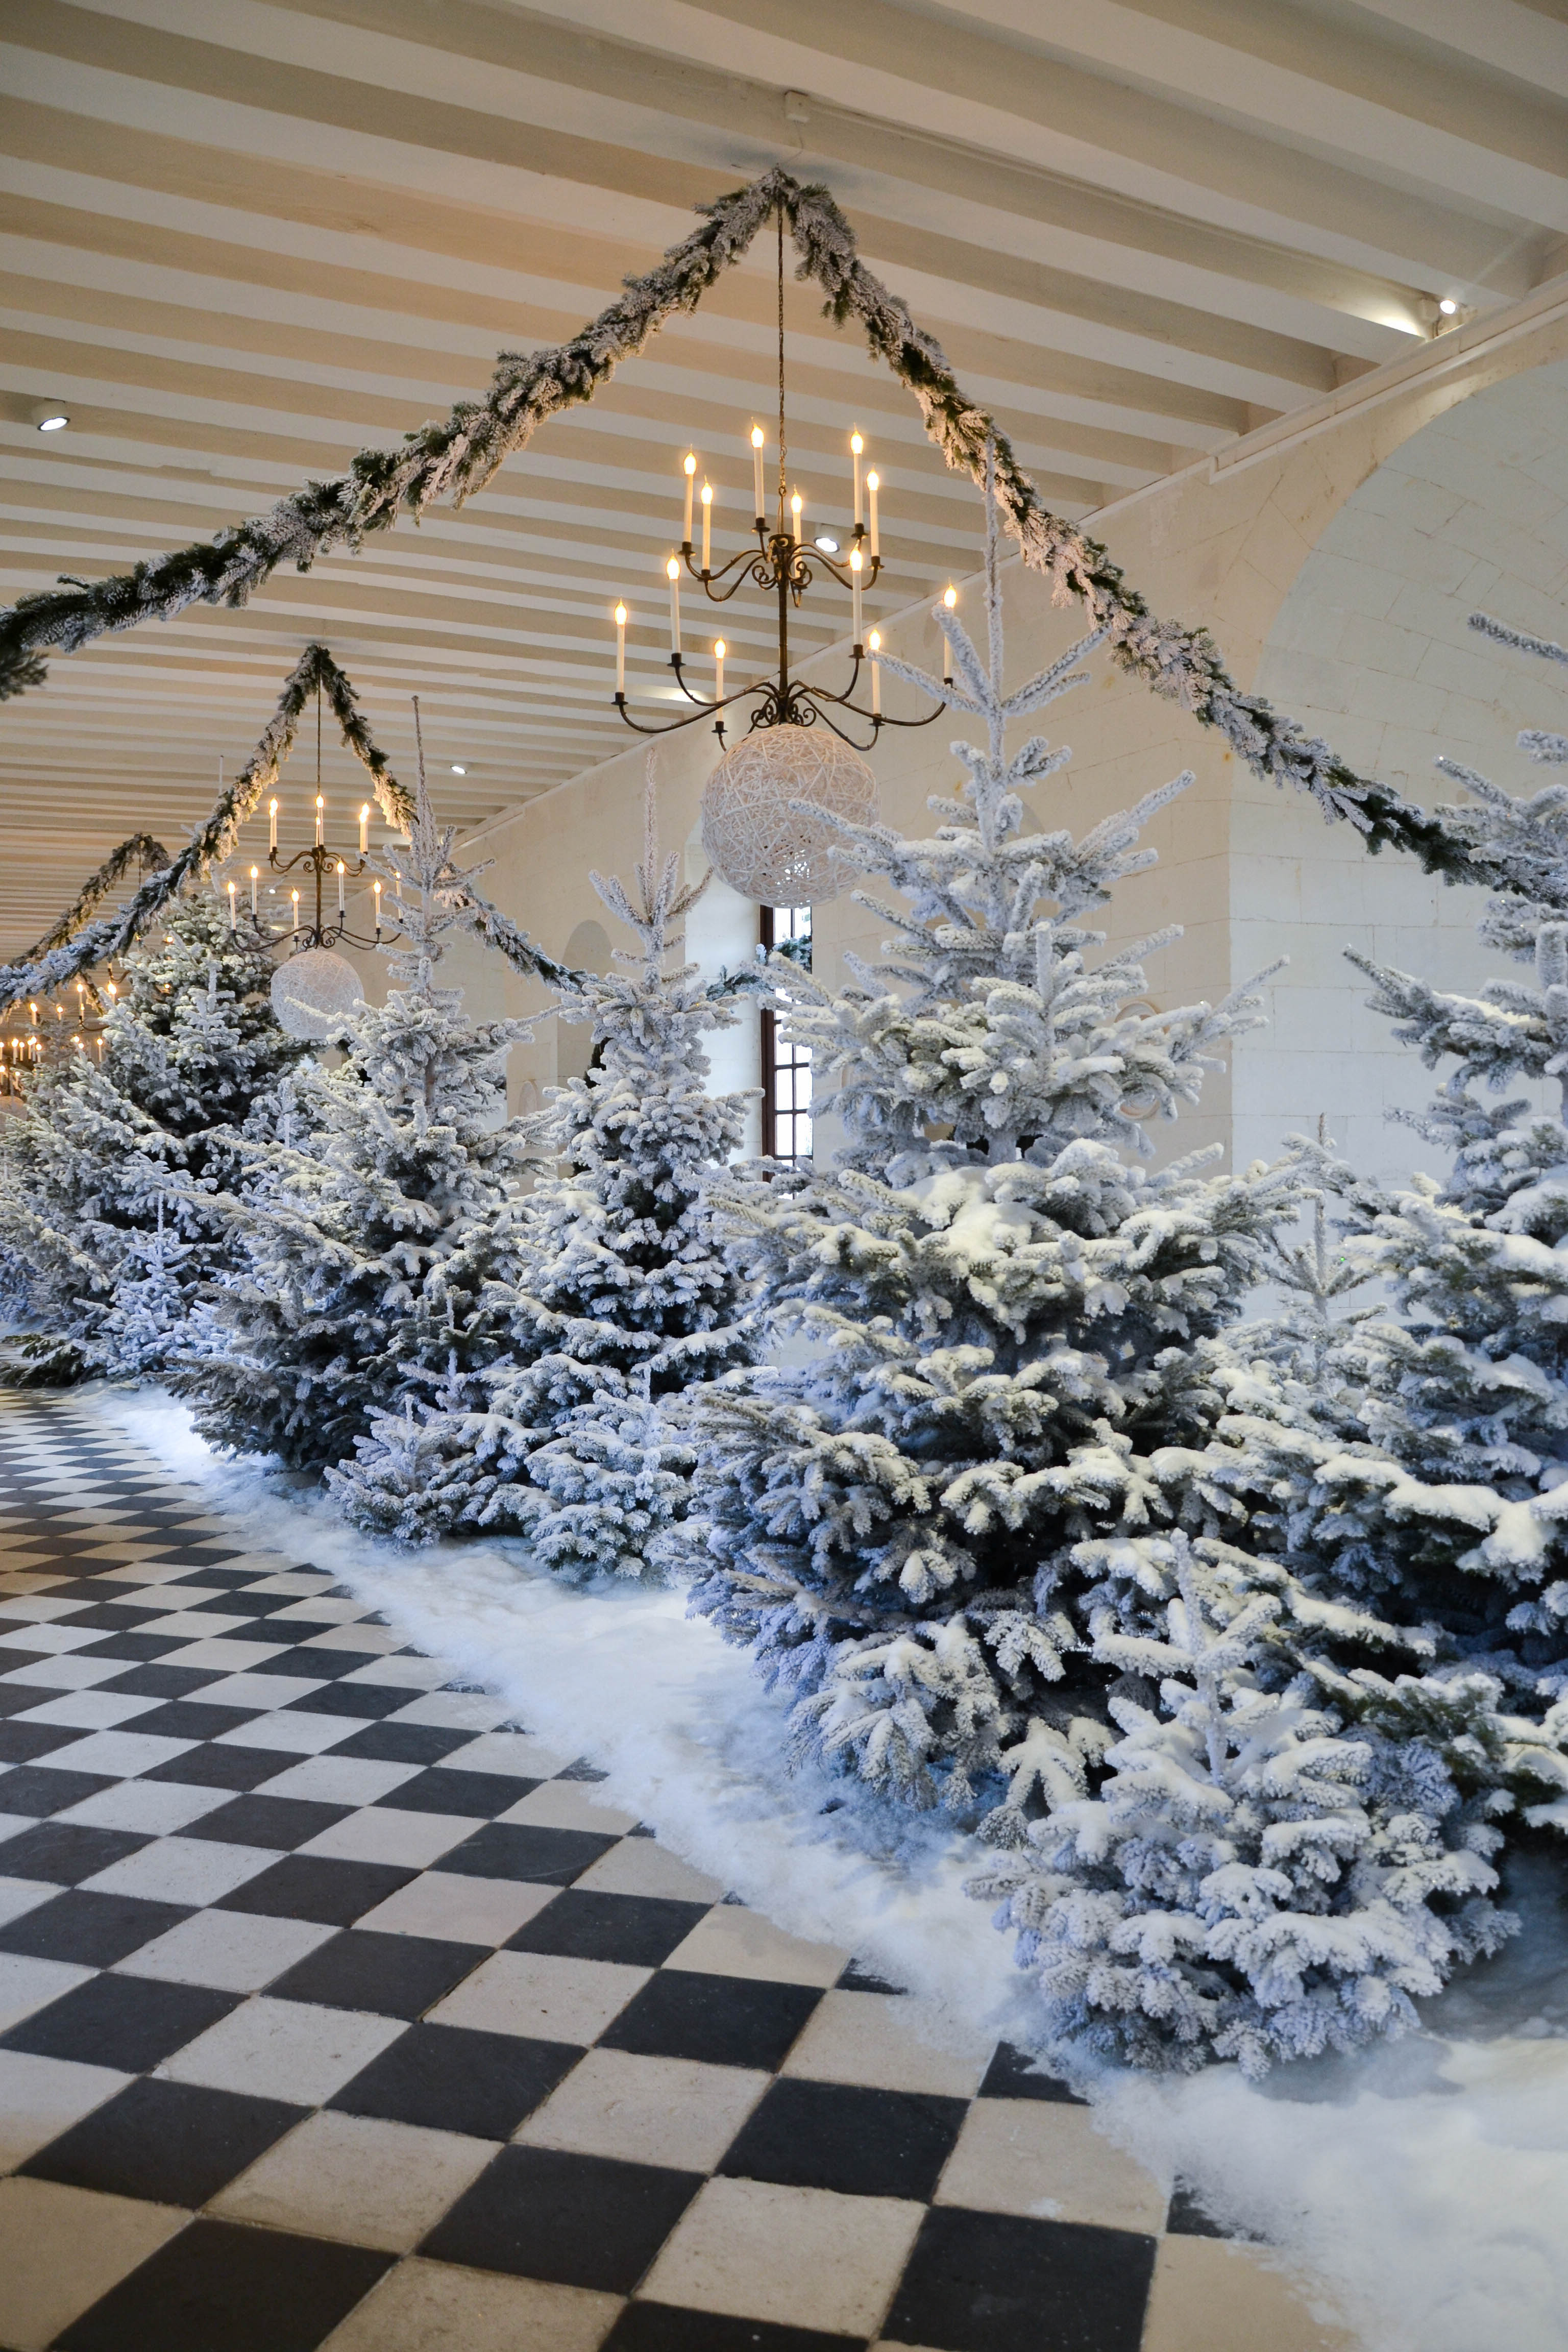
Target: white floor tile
(158,1807)
(1210,2296)
(363,1634)
(888,2042)
(61,2248)
(69,1673)
(422,2306)
(340,1780)
(508,1751)
(800,2257)
(457,1909)
(184,1870)
(384,1834)
(20,1894)
(199,1625)
(41,2097)
(535,1993)
(647,2110)
(60,1638)
(224,1654)
(267,1691)
(283,2050)
(734,1942)
(26,1984)
(455,1711)
(569,1805)
(640,1866)
(356,2178)
(1045,2160)
(89,1710)
(296,1734)
(126,1753)
(227,1949)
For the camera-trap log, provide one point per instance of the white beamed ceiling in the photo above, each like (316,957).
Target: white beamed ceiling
(241,238)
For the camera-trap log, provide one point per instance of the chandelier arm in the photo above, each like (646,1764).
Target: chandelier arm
(755,571)
(673,727)
(744,560)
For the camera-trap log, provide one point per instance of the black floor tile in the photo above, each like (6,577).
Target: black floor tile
(174,2143)
(219,2287)
(856,1978)
(449,1789)
(369,1700)
(400,1743)
(584,2220)
(728,2020)
(838,2135)
(642,1931)
(188,1718)
(316,1886)
(451,2078)
(582,1770)
(136,1649)
(662,2328)
(66,1852)
(516,1849)
(251,1602)
(42,1788)
(125,2022)
(280,1822)
(95,1930)
(995,2283)
(1188,2216)
(395,1976)
(215,1767)
(322,1665)
(115,1616)
(209,1578)
(168,1682)
(20,1742)
(1011,2075)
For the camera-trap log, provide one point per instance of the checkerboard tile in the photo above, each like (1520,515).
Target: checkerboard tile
(336,2010)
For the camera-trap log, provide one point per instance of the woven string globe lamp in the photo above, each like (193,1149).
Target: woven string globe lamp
(315,994)
(764,844)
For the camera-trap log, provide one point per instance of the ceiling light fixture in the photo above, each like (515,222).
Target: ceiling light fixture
(825,541)
(1448,307)
(457,770)
(50,416)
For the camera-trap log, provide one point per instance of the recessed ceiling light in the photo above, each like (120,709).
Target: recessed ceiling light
(457,770)
(828,545)
(50,416)
(1448,307)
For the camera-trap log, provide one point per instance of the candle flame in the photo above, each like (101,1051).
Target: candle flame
(706,494)
(757,437)
(689,463)
(718,648)
(949,597)
(875,641)
(855,441)
(855,560)
(672,569)
(621,617)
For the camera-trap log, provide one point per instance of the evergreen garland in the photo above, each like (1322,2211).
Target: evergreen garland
(453,457)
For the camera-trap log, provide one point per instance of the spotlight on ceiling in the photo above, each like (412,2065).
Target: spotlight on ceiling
(825,541)
(457,770)
(1448,307)
(50,415)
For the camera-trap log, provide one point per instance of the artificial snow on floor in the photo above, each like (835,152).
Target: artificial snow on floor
(1423,2190)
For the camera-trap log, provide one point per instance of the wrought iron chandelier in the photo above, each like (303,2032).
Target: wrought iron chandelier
(785,565)
(318,861)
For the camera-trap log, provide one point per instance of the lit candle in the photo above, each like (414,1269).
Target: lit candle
(294,894)
(320,804)
(620,648)
(950,598)
(34,1011)
(855,570)
(874,644)
(254,871)
(795,507)
(272,814)
(707,522)
(856,445)
(232,924)
(689,467)
(672,573)
(872,485)
(718,669)
(113,990)
(376,888)
(340,886)
(757,468)
(363,827)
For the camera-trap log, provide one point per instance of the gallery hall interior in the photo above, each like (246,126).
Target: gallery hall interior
(784,1175)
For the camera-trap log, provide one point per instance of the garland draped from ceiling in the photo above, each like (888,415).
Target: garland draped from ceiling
(456,456)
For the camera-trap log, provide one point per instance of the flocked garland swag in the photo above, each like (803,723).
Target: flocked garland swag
(460,455)
(74,945)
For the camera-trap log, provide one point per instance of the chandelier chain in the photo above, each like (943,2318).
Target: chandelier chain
(782,485)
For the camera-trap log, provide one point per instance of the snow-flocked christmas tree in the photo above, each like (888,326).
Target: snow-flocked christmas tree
(104,1181)
(915,1529)
(374,1222)
(621,1296)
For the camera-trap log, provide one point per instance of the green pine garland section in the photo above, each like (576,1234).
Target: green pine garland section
(140,849)
(452,458)
(74,945)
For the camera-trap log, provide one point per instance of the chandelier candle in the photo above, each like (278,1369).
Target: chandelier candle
(872,485)
(856,445)
(340,886)
(376,888)
(294,894)
(672,573)
(364,829)
(688,468)
(707,525)
(757,475)
(620,649)
(718,669)
(272,818)
(255,872)
(233,925)
(321,805)
(854,570)
(875,645)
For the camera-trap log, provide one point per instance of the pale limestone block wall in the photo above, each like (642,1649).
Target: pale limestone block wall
(1334,557)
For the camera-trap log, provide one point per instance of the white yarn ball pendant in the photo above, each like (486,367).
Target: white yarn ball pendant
(315,993)
(764,848)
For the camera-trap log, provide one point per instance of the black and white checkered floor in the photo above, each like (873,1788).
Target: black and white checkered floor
(336,2011)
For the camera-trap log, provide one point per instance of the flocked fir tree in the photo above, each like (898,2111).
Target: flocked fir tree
(105,1180)
(1445,1500)
(622,1296)
(1008,1380)
(374,1220)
